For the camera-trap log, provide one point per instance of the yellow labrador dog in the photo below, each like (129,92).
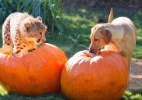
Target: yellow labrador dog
(121,31)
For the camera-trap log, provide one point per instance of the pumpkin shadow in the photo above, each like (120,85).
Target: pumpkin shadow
(46,96)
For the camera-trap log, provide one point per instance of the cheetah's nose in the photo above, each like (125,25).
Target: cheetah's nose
(38,40)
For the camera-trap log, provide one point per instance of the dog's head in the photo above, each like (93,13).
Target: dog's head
(100,36)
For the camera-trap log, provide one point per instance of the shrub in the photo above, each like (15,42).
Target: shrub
(49,10)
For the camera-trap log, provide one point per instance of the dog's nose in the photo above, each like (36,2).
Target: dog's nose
(91,51)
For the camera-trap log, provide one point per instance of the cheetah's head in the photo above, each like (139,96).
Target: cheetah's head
(34,30)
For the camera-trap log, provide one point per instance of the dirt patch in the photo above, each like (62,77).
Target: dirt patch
(136,75)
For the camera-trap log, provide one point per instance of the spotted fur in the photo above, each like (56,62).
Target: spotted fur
(23,33)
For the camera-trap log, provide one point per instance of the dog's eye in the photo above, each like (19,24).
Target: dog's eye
(96,39)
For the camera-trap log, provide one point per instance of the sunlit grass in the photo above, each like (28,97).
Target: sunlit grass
(3,91)
(138,50)
(131,96)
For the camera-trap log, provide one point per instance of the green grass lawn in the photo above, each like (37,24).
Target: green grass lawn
(75,37)
(78,23)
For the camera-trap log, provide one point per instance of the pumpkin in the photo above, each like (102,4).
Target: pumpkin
(34,73)
(6,51)
(102,77)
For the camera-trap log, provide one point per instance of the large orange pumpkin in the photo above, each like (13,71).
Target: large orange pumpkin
(102,77)
(34,73)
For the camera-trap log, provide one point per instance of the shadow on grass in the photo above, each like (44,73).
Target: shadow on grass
(137,91)
(135,95)
(47,96)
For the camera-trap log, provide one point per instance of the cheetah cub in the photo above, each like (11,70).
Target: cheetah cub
(23,33)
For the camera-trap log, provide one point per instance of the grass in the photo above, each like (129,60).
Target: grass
(78,22)
(78,25)
(131,96)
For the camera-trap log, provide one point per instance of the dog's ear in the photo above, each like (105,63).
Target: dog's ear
(106,35)
(110,18)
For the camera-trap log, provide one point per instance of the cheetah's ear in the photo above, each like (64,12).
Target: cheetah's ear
(28,26)
(39,18)
(45,26)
